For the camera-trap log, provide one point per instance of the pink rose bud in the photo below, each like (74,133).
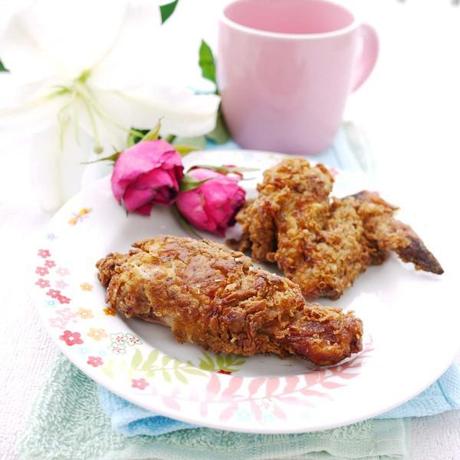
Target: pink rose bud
(212,206)
(147,173)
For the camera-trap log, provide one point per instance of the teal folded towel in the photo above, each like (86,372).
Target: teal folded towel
(69,424)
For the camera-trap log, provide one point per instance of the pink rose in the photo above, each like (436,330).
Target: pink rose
(213,205)
(147,173)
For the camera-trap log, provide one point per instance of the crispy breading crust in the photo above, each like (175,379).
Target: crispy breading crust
(216,298)
(323,243)
(390,234)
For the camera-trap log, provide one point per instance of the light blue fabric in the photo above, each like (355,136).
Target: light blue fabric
(442,396)
(130,420)
(349,151)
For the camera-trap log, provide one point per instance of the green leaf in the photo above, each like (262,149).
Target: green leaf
(113,157)
(135,136)
(221,361)
(207,62)
(185,145)
(151,358)
(206,366)
(167,10)
(137,359)
(185,149)
(220,134)
(165,360)
(108,369)
(179,376)
(207,363)
(196,143)
(189,183)
(154,133)
(193,371)
(166,375)
(2,67)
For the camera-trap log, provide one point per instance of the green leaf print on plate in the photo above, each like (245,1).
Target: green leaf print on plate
(224,364)
(158,363)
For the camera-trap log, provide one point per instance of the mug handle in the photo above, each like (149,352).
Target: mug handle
(368,55)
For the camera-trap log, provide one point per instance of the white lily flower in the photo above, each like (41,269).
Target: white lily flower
(82,73)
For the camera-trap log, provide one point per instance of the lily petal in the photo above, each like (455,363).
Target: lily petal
(26,107)
(100,122)
(55,37)
(57,170)
(182,112)
(137,52)
(10,9)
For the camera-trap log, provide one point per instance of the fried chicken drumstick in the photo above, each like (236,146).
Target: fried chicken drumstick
(323,243)
(215,297)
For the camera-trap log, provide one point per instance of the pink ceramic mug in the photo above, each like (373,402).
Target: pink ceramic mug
(285,69)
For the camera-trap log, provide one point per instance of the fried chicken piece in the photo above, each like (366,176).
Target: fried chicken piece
(215,297)
(323,243)
(389,234)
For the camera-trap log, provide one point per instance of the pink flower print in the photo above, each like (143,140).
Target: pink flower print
(64,316)
(59,323)
(42,283)
(118,339)
(66,313)
(50,263)
(118,349)
(61,284)
(84,313)
(62,271)
(42,271)
(95,361)
(44,253)
(97,334)
(139,383)
(54,293)
(132,340)
(71,338)
(63,299)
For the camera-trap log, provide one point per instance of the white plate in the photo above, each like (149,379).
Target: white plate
(410,320)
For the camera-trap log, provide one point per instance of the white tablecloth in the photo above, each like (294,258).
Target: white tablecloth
(410,110)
